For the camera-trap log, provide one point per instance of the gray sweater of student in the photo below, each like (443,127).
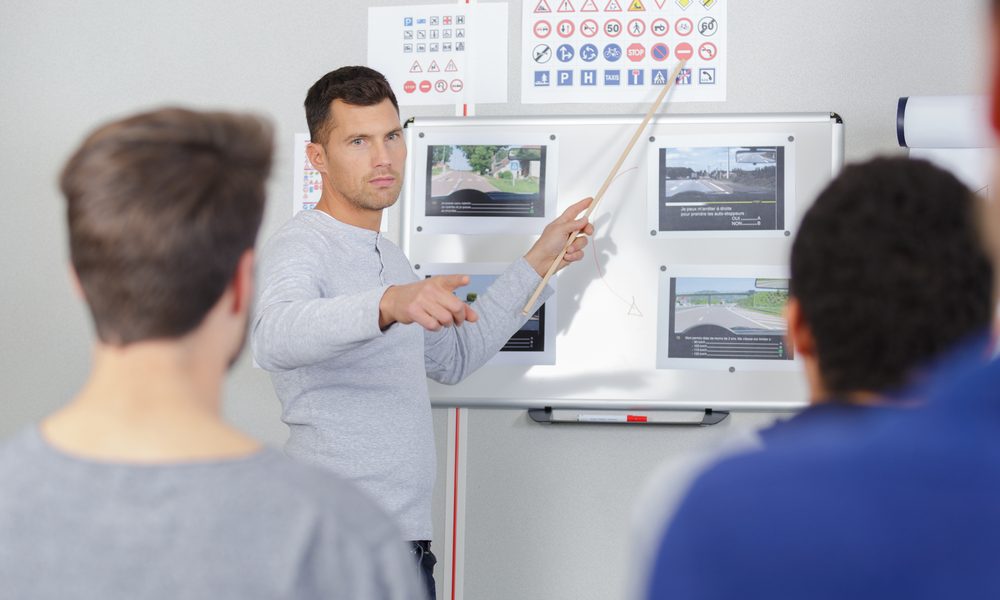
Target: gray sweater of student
(354,397)
(259,527)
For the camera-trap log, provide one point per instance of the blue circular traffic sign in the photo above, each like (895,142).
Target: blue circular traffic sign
(612,52)
(660,51)
(565,53)
(588,52)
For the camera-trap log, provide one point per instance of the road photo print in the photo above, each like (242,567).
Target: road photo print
(728,320)
(721,187)
(493,181)
(485,181)
(533,343)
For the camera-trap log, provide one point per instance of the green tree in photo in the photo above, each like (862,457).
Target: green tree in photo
(480,157)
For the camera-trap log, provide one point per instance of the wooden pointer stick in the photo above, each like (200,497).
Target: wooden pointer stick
(607,182)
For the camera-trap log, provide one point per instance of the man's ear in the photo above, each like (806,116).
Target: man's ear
(242,284)
(317,156)
(799,333)
(74,280)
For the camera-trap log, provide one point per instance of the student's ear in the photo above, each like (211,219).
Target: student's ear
(799,333)
(317,156)
(242,284)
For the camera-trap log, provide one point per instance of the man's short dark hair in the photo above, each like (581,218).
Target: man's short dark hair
(359,86)
(889,272)
(160,208)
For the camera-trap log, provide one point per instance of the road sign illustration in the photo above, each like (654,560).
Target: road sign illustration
(706,76)
(566,7)
(565,28)
(612,27)
(612,52)
(456,85)
(636,6)
(659,27)
(441,86)
(659,52)
(612,6)
(707,51)
(636,52)
(636,27)
(542,53)
(542,7)
(565,53)
(589,28)
(542,29)
(708,26)
(683,26)
(683,51)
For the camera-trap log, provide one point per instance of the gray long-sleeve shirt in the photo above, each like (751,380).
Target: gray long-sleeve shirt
(257,527)
(354,397)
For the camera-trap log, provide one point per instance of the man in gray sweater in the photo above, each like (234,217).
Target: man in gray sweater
(138,489)
(347,329)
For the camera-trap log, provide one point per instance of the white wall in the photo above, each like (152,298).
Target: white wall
(64,66)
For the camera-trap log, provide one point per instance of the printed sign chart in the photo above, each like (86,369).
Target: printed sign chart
(615,50)
(441,53)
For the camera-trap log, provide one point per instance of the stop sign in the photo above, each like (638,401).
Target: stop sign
(636,52)
(409,87)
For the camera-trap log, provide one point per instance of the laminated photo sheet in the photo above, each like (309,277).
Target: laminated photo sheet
(723,317)
(721,186)
(489,182)
(307,182)
(441,53)
(534,343)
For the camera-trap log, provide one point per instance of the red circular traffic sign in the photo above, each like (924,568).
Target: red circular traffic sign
(683,26)
(636,27)
(589,28)
(636,52)
(565,28)
(542,29)
(659,51)
(707,51)
(683,51)
(456,85)
(409,87)
(425,86)
(612,27)
(660,27)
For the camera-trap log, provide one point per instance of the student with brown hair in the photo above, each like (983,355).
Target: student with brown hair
(138,488)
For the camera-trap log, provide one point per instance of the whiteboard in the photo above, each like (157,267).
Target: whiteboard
(606,330)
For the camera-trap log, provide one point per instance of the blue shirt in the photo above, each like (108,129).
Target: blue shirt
(905,505)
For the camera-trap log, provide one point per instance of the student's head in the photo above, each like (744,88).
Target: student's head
(886,273)
(163,210)
(357,141)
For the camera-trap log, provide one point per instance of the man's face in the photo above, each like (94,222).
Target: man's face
(364,153)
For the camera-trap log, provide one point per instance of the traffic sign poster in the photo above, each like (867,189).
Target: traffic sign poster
(444,53)
(618,50)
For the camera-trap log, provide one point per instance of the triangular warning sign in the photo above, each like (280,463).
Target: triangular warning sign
(566,6)
(416,67)
(542,7)
(660,3)
(588,6)
(434,67)
(636,6)
(450,67)
(613,6)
